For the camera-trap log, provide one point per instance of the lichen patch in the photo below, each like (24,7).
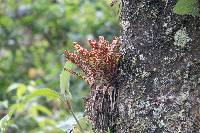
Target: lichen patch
(181,37)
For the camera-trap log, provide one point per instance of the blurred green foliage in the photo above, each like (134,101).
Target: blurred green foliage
(33,36)
(184,7)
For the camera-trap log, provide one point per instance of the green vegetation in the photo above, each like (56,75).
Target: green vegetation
(33,36)
(190,7)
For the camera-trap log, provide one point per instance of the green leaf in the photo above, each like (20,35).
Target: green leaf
(46,121)
(4,121)
(17,107)
(13,86)
(21,90)
(64,81)
(36,108)
(50,94)
(183,7)
(108,131)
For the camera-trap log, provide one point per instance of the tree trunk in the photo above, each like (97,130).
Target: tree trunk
(157,87)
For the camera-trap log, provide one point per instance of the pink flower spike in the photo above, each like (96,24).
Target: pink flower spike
(100,62)
(93,43)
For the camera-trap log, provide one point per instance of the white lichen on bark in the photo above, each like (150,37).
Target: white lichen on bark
(181,37)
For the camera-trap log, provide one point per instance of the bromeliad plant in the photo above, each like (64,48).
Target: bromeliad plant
(98,65)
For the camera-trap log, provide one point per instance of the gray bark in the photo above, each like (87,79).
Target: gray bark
(157,87)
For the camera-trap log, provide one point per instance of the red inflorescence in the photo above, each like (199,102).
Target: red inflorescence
(97,64)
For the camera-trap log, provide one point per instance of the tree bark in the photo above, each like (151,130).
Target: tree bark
(157,85)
